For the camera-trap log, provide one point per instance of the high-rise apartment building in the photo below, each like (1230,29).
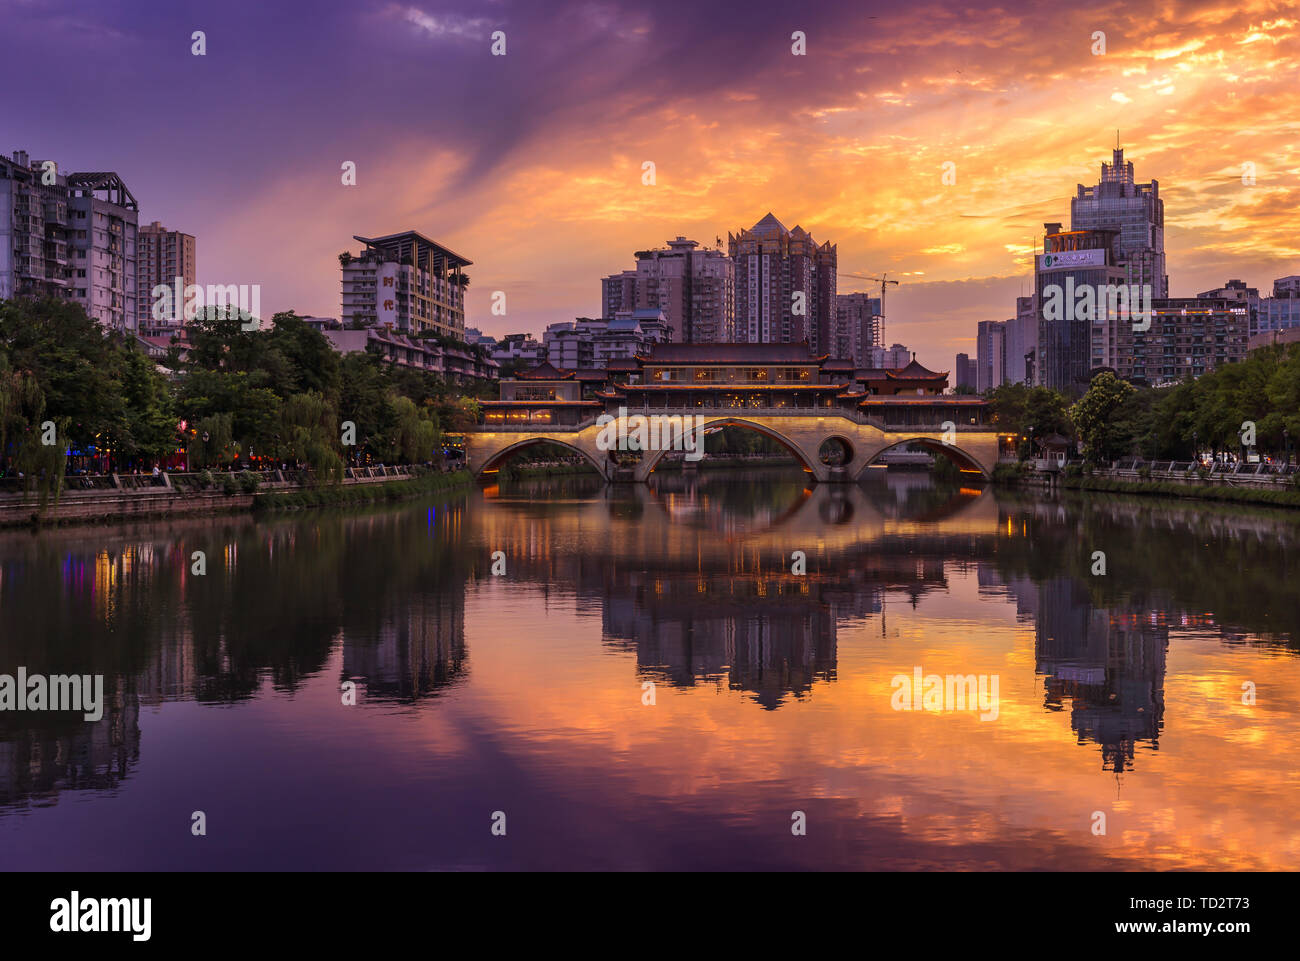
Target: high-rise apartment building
(1021,342)
(69,236)
(990,350)
(162,256)
(102,223)
(1188,336)
(406,281)
(694,287)
(965,372)
(1267,314)
(1136,215)
(858,318)
(895,357)
(785,287)
(617,292)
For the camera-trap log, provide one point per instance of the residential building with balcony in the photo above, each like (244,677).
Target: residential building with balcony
(858,318)
(405,281)
(772,265)
(1188,337)
(454,362)
(162,256)
(73,238)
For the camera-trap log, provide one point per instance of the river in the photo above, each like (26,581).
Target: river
(709,672)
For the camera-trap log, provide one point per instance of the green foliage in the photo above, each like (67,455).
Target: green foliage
(310,434)
(1105,435)
(415,433)
(1028,412)
(212,442)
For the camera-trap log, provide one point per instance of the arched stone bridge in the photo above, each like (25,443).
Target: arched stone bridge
(974,449)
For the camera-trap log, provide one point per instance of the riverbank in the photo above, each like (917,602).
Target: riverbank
(348,495)
(1191,489)
(108,506)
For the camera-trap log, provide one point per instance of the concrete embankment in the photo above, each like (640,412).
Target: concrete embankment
(114,505)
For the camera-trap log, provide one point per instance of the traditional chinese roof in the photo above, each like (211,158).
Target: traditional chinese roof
(932,400)
(916,371)
(541,403)
(706,354)
(594,374)
(869,373)
(838,365)
(544,371)
(737,388)
(623,364)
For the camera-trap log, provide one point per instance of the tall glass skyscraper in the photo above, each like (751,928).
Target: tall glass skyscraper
(1137,215)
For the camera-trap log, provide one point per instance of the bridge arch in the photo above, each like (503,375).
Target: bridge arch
(810,462)
(494,462)
(965,461)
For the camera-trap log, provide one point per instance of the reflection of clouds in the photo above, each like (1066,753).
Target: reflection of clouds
(1024,785)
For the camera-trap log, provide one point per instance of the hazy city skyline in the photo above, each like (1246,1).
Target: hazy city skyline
(540,183)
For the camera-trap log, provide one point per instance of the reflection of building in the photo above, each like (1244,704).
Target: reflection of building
(769,635)
(418,652)
(1109,665)
(54,752)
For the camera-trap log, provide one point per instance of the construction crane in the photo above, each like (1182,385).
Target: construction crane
(883,280)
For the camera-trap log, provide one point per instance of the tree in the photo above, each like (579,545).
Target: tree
(149,419)
(211,442)
(415,433)
(1104,436)
(310,434)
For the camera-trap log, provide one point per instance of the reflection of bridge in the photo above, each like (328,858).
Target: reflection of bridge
(974,449)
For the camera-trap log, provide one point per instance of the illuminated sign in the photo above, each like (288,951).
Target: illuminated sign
(1072,258)
(385,294)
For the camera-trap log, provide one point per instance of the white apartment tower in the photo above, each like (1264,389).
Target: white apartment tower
(69,236)
(405,281)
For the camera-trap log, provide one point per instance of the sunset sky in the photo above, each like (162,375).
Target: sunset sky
(530,163)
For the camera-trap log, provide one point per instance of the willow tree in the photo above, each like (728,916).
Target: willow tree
(32,444)
(310,434)
(211,442)
(415,434)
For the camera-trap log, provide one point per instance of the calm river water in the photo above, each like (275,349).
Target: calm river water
(648,685)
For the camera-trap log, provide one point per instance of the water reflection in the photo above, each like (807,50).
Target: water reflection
(687,583)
